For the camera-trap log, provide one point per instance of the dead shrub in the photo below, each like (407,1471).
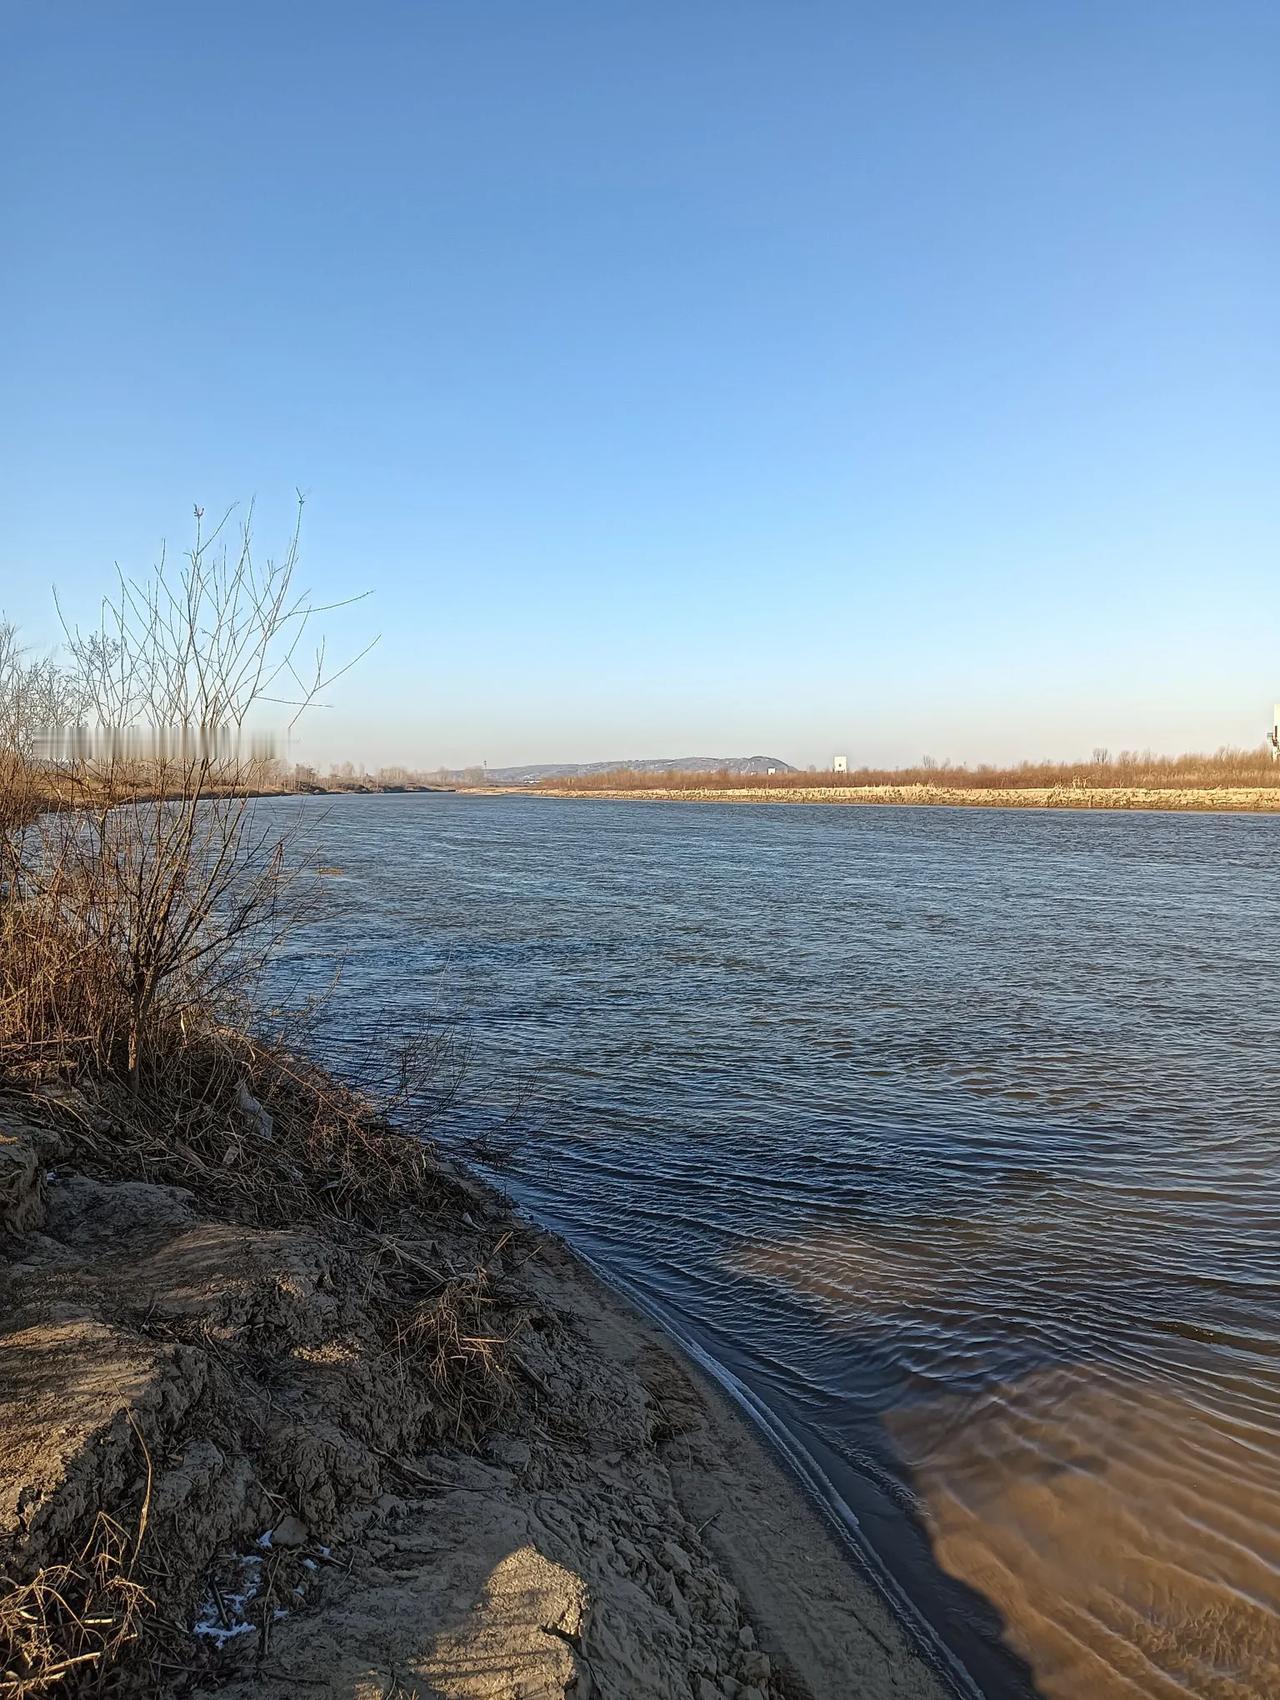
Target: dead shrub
(63,1630)
(138,910)
(449,1337)
(257,1134)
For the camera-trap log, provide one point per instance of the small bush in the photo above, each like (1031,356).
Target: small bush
(133,912)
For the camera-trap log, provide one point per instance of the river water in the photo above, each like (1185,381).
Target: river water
(952,1137)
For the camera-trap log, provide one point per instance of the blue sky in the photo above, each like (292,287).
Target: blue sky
(681,378)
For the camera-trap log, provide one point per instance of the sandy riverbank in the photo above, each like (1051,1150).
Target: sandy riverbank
(1250,800)
(435,1460)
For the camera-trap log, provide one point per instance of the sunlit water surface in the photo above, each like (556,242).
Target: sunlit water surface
(953,1135)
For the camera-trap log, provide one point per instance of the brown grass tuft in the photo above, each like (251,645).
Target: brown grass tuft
(63,1630)
(449,1336)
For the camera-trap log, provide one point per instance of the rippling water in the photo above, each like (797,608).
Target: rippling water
(953,1135)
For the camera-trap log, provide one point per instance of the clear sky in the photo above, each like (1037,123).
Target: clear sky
(682,376)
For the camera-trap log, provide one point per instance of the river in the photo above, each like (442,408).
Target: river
(951,1137)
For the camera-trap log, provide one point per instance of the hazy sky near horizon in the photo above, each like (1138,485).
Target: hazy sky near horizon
(712,378)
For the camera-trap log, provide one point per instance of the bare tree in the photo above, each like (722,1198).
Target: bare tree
(34,693)
(162,879)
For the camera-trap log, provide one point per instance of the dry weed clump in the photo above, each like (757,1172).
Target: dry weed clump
(450,1337)
(60,999)
(256,1134)
(64,1630)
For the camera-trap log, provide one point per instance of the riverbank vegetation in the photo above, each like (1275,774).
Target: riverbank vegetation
(134,915)
(1128,770)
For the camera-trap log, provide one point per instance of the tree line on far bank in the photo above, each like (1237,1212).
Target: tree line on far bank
(1224,769)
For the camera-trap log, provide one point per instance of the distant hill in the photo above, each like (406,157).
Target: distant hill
(647,764)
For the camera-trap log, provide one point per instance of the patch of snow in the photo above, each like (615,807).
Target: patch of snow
(225,1624)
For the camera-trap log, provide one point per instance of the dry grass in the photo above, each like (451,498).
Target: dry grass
(449,1337)
(60,1001)
(64,1630)
(257,1134)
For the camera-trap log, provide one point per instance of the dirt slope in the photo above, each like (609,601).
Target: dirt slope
(278,1461)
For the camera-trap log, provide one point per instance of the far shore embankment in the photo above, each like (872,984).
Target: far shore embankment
(1216,800)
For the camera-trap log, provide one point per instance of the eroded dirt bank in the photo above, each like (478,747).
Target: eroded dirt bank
(250,1457)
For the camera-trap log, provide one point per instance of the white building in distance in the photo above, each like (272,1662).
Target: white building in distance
(839,764)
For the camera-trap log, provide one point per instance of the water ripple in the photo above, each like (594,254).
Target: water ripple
(954,1136)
